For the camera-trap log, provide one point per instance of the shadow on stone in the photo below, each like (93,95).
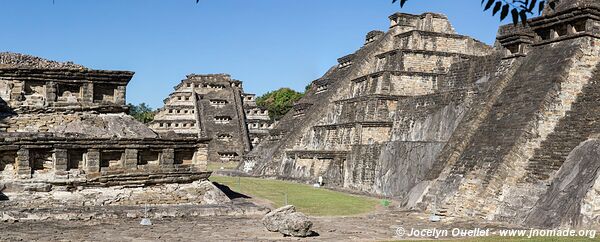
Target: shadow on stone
(3,197)
(312,234)
(230,193)
(5,110)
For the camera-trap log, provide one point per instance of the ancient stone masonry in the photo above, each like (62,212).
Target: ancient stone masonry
(63,127)
(215,107)
(387,98)
(450,125)
(257,119)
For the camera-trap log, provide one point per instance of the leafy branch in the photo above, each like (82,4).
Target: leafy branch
(142,112)
(520,10)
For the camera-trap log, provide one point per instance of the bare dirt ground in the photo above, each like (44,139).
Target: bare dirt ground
(378,226)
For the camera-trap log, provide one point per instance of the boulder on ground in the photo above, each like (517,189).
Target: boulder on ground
(287,221)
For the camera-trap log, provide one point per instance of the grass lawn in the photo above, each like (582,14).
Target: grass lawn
(323,202)
(307,199)
(215,166)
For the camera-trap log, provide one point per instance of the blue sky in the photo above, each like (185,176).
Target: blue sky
(267,44)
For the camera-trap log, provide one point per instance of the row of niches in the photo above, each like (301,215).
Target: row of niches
(218,103)
(180,111)
(562,30)
(322,88)
(373,35)
(260,126)
(40,162)
(175,124)
(191,124)
(547,35)
(299,112)
(210,86)
(299,109)
(345,64)
(39,94)
(257,111)
(182,98)
(346,61)
(320,85)
(224,137)
(228,156)
(222,119)
(249,98)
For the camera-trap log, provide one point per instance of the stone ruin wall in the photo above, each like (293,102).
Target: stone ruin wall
(502,135)
(62,89)
(63,127)
(215,107)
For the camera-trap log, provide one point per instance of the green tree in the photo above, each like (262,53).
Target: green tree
(278,102)
(141,112)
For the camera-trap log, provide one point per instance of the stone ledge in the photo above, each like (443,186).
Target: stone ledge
(67,75)
(398,73)
(567,37)
(424,52)
(431,33)
(320,153)
(353,124)
(85,213)
(371,97)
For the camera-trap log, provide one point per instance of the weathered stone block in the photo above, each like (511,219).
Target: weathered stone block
(120,95)
(23,163)
(201,158)
(93,160)
(61,159)
(168,157)
(131,158)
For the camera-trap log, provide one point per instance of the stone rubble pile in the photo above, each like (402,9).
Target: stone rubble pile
(9,59)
